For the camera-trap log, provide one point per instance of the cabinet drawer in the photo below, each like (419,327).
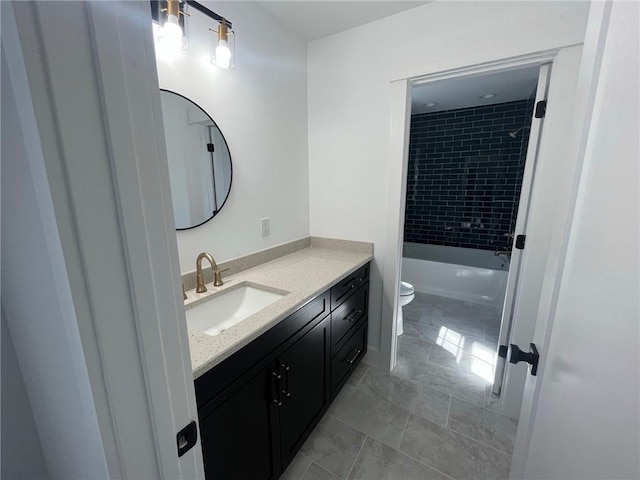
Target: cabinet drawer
(341,291)
(347,358)
(347,315)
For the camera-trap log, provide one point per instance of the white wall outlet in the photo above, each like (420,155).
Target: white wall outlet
(264,224)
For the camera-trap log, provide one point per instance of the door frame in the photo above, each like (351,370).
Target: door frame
(396,198)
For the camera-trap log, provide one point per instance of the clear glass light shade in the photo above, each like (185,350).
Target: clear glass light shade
(224,55)
(172,35)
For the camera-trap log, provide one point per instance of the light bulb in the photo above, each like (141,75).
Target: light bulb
(223,54)
(171,35)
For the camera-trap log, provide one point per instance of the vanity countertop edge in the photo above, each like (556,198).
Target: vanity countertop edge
(305,274)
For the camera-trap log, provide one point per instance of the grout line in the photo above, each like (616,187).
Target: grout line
(481,443)
(425,464)
(356,459)
(306,469)
(446,420)
(431,387)
(345,423)
(379,399)
(362,377)
(416,384)
(404,430)
(333,475)
(386,445)
(466,400)
(484,407)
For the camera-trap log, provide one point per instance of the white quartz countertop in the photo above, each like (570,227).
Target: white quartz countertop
(304,274)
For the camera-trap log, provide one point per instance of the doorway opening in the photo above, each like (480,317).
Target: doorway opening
(471,163)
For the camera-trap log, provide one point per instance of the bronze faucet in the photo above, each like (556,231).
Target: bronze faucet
(200,288)
(217,274)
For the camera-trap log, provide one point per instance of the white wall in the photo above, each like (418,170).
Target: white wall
(22,456)
(261,108)
(350,95)
(586,421)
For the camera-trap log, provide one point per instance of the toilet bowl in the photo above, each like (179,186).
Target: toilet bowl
(407,295)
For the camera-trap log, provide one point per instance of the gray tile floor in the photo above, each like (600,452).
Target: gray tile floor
(430,417)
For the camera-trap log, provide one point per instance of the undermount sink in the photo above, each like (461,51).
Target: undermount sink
(226,309)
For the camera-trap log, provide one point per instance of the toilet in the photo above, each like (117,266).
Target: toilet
(406,297)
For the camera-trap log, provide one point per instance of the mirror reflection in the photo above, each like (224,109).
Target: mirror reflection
(199,161)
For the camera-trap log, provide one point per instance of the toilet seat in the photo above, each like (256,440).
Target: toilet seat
(406,289)
(407,295)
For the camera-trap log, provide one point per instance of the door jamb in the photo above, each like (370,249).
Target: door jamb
(397,178)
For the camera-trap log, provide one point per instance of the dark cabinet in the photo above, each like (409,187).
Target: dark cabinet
(304,374)
(343,289)
(237,427)
(257,407)
(348,357)
(345,317)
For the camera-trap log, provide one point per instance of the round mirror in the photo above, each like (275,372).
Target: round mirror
(199,161)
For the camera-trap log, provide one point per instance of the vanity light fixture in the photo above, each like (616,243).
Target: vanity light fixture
(224,53)
(172,21)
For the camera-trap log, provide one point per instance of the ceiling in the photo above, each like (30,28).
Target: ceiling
(311,20)
(465,92)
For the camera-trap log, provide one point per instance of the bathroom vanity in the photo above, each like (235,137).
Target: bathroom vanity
(260,395)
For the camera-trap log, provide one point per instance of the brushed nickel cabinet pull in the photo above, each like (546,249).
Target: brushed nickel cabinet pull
(355,356)
(285,390)
(353,315)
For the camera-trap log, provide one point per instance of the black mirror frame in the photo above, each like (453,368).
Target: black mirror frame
(230,161)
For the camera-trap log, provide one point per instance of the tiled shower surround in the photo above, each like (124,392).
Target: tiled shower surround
(465,174)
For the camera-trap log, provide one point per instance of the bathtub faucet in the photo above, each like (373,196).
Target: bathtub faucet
(502,252)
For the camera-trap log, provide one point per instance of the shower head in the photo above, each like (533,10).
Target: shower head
(514,133)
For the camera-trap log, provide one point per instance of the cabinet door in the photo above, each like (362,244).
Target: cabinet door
(304,371)
(236,435)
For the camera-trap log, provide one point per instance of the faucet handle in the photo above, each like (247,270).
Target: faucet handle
(217,277)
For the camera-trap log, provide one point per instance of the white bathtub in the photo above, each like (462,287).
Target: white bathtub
(477,276)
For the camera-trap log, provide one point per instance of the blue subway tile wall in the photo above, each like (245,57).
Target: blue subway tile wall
(465,174)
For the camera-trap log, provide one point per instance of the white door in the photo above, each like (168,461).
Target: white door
(86,89)
(510,309)
(581,414)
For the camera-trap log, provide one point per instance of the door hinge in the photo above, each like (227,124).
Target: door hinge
(502,351)
(541,109)
(520,239)
(210,148)
(187,438)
